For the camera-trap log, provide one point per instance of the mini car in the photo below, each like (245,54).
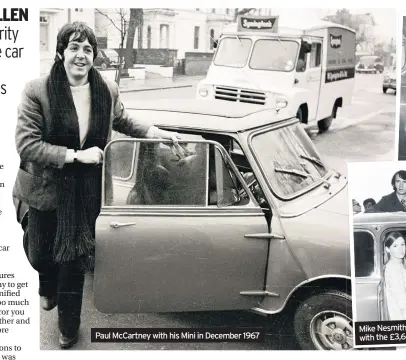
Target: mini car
(389,81)
(242,214)
(107,58)
(369,262)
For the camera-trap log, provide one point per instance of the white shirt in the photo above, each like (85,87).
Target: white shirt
(82,100)
(395,289)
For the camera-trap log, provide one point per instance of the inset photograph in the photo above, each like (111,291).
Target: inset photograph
(378,195)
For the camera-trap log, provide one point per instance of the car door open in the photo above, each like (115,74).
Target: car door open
(171,235)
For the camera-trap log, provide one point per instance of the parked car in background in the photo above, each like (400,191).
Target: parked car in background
(370,64)
(107,58)
(389,80)
(245,215)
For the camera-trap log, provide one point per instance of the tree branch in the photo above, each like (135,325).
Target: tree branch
(109,19)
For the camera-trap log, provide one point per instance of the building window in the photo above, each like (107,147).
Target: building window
(79,10)
(164,38)
(149,37)
(227,11)
(197,9)
(211,39)
(196,38)
(213,11)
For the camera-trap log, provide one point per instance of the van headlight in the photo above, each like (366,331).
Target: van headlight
(203,91)
(281,102)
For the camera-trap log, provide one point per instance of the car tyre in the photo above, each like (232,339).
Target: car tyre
(324,322)
(384,89)
(103,65)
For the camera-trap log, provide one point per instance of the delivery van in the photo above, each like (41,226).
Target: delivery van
(308,65)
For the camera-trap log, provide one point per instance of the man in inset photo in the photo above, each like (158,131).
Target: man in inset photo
(395,201)
(369,203)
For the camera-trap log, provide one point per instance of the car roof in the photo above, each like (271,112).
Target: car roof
(374,218)
(210,115)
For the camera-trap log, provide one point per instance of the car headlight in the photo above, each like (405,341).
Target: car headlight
(203,92)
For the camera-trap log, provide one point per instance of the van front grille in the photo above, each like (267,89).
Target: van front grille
(240,95)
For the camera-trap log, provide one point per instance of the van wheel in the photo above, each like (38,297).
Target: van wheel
(324,322)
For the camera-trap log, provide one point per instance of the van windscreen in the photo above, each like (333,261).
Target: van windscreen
(233,52)
(274,55)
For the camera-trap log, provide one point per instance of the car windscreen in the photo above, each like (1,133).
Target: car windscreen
(274,55)
(233,52)
(289,159)
(368,60)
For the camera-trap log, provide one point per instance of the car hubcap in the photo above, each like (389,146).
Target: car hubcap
(332,330)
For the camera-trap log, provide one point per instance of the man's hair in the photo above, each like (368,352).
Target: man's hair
(402,175)
(369,200)
(82,32)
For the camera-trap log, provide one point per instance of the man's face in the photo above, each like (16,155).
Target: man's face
(368,205)
(400,185)
(78,58)
(356,207)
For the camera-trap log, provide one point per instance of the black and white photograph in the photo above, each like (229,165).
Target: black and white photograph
(378,194)
(402,110)
(187,169)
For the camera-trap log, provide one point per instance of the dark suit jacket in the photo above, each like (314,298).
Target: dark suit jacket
(40,161)
(388,203)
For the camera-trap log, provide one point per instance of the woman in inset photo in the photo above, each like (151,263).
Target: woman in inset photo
(395,276)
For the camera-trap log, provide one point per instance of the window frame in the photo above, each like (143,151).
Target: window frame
(319,46)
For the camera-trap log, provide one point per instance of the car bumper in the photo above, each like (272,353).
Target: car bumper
(366,70)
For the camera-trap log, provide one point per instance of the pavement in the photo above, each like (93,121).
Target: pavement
(156,82)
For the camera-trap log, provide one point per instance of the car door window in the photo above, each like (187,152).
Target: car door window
(364,252)
(159,174)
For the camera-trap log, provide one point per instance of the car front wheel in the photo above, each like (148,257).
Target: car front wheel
(384,89)
(324,322)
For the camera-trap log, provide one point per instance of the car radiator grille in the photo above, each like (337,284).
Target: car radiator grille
(240,95)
